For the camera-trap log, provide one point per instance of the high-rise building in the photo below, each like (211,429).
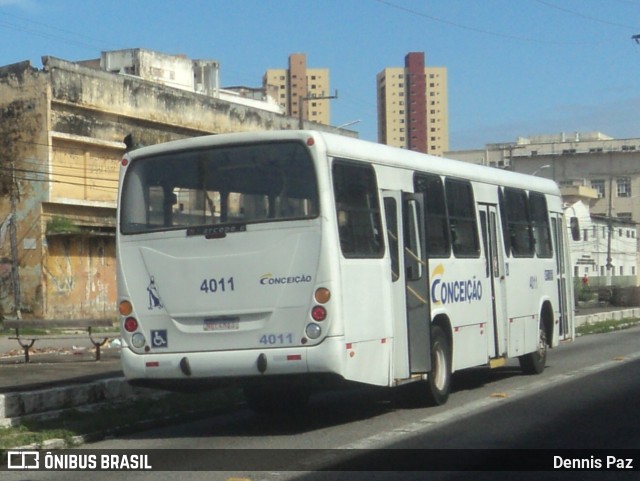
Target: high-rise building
(299,82)
(413,107)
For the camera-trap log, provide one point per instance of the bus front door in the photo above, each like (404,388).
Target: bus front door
(496,274)
(404,214)
(566,327)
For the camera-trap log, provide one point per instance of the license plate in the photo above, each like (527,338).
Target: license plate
(222,324)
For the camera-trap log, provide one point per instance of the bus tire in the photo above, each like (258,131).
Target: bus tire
(534,362)
(439,379)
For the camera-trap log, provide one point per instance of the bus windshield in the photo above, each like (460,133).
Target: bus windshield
(231,184)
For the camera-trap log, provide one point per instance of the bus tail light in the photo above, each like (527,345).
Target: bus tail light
(318,313)
(125,308)
(130,324)
(322,295)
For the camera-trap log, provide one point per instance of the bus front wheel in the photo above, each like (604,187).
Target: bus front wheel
(439,379)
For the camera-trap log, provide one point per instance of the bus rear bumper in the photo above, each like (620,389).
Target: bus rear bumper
(221,366)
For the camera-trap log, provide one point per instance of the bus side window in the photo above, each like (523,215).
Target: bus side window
(435,215)
(357,210)
(462,218)
(540,224)
(506,239)
(518,222)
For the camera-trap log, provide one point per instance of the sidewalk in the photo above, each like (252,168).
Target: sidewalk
(54,363)
(64,373)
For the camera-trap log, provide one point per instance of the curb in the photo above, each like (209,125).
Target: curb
(607,316)
(15,408)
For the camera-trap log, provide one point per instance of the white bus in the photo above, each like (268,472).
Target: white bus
(287,260)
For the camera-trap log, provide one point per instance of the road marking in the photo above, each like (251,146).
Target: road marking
(437,420)
(499,395)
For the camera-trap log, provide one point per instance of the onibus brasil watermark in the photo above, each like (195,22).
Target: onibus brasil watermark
(61,461)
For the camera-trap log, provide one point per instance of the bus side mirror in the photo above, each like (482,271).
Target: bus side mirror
(575,228)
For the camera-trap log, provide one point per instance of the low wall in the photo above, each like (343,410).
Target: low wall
(606,316)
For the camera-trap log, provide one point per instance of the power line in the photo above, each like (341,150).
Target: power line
(25,178)
(88,43)
(470,28)
(582,15)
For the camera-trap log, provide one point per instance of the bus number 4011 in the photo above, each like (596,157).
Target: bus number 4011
(217,285)
(281,338)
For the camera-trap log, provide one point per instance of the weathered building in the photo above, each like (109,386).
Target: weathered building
(62,131)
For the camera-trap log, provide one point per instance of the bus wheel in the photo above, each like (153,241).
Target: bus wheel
(439,379)
(276,399)
(534,362)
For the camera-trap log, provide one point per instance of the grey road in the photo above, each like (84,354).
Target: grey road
(587,399)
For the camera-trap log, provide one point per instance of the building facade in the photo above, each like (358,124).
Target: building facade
(299,87)
(63,131)
(599,177)
(413,106)
(604,250)
(593,159)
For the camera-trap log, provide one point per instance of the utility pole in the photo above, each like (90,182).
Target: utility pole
(306,98)
(15,272)
(610,226)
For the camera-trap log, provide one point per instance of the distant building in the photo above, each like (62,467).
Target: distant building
(413,106)
(604,250)
(599,178)
(299,82)
(610,166)
(178,71)
(63,131)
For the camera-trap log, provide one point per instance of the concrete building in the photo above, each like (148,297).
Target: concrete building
(599,177)
(178,71)
(593,159)
(413,106)
(604,250)
(299,82)
(63,130)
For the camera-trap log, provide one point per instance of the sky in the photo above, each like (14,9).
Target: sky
(516,68)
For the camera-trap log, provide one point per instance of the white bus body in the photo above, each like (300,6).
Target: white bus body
(295,256)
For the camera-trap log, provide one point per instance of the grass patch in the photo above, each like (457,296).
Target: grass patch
(606,326)
(119,418)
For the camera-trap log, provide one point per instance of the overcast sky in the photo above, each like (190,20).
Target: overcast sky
(515,67)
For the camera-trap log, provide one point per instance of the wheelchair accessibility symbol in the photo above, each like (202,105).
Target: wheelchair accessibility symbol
(159,338)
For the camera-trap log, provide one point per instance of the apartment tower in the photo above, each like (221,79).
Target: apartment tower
(299,82)
(412,106)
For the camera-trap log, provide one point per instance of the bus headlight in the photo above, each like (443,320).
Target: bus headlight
(138,340)
(313,331)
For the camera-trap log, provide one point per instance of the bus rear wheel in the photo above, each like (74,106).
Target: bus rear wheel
(534,362)
(439,379)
